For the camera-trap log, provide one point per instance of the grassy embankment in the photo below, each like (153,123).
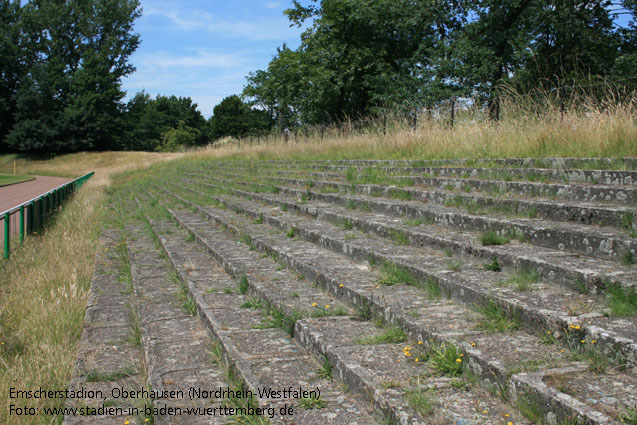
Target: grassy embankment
(7,179)
(582,131)
(43,287)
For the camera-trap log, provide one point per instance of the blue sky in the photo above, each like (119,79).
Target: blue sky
(204,49)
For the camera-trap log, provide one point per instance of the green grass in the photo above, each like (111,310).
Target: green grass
(622,302)
(446,359)
(276,318)
(312,402)
(400,194)
(495,318)
(493,266)
(252,304)
(399,238)
(433,289)
(455,265)
(419,400)
(491,237)
(629,416)
(325,371)
(413,222)
(94,376)
(6,179)
(243,284)
(393,274)
(391,335)
(628,258)
(345,224)
(523,279)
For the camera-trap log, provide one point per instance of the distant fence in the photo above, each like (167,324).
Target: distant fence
(28,217)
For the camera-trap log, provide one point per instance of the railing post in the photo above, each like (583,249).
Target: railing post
(31,217)
(6,235)
(21,224)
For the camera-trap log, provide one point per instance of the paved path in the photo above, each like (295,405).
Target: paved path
(15,194)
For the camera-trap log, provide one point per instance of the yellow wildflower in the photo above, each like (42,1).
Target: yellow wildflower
(458,360)
(314,304)
(327,306)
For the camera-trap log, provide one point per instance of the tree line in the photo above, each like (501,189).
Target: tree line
(62,63)
(359,57)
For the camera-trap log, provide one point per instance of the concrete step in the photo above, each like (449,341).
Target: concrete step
(614,195)
(177,348)
(540,307)
(626,163)
(619,216)
(577,272)
(109,358)
(392,403)
(493,357)
(564,175)
(605,243)
(263,357)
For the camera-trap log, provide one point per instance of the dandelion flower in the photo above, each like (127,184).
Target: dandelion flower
(458,360)
(484,412)
(593,341)
(341,285)
(327,306)
(419,342)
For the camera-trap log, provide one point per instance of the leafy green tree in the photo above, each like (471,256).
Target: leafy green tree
(149,120)
(76,53)
(626,63)
(233,117)
(571,41)
(11,64)
(178,138)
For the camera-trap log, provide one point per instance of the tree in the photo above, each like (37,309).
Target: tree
(149,120)
(76,53)
(571,41)
(11,64)
(232,117)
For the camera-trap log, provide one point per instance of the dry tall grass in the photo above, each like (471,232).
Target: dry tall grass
(584,129)
(43,287)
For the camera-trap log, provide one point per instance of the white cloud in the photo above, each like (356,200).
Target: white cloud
(201,58)
(273,5)
(203,21)
(207,76)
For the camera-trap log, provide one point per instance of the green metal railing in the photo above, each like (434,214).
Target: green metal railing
(33,213)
